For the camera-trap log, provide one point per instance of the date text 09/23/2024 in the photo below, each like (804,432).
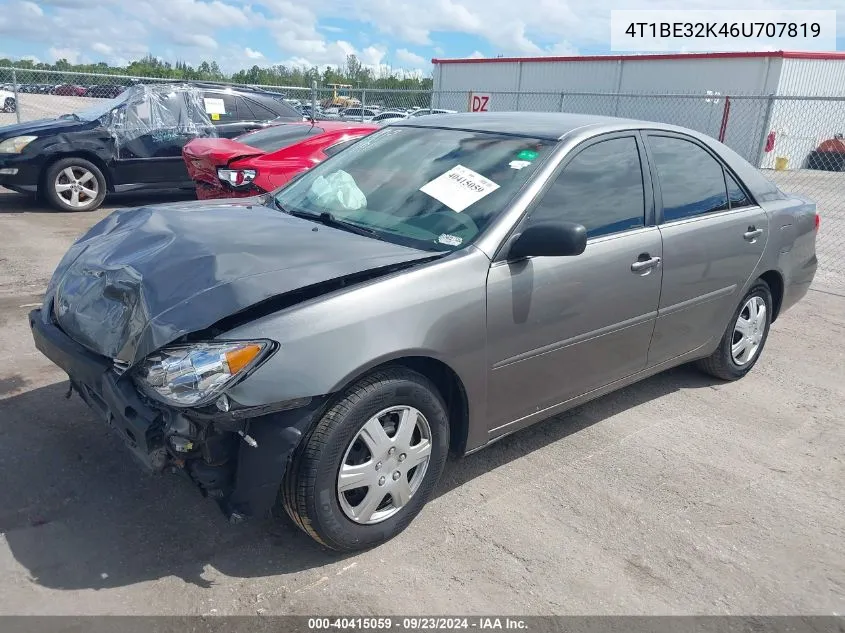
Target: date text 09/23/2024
(416,623)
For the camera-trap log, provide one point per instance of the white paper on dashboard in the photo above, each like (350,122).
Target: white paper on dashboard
(459,187)
(214,106)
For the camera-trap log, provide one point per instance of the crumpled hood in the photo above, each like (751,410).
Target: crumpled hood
(141,278)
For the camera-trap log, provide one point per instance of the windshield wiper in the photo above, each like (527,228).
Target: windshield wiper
(328,219)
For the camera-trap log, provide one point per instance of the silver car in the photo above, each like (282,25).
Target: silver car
(434,287)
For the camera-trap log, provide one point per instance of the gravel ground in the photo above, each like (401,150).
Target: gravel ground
(679,495)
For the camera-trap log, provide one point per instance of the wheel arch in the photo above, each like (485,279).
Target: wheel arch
(774,280)
(445,379)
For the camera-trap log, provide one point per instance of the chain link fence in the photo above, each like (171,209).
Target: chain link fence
(795,141)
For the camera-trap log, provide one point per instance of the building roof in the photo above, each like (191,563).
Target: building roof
(610,58)
(545,125)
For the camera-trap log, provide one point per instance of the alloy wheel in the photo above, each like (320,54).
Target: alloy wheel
(77,187)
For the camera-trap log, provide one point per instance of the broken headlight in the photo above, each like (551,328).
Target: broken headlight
(16,144)
(191,375)
(237,177)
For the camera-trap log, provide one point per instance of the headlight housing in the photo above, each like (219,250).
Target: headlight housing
(237,177)
(191,375)
(15,144)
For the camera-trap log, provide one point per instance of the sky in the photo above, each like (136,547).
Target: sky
(384,34)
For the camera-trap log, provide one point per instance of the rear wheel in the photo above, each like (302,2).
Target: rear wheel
(371,463)
(74,184)
(10,105)
(743,341)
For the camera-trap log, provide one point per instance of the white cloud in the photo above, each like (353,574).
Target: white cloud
(103,49)
(476,55)
(196,40)
(372,55)
(70,54)
(294,32)
(32,9)
(407,59)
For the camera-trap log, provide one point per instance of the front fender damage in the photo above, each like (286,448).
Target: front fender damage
(261,465)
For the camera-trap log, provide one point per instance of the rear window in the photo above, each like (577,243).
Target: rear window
(276,137)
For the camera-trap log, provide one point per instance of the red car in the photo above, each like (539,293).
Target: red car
(265,159)
(69,90)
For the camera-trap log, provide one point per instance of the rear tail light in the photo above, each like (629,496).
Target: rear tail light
(818,221)
(237,177)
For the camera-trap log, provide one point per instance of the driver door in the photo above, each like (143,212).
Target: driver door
(560,327)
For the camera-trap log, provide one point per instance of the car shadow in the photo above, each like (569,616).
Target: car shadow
(12,202)
(78,513)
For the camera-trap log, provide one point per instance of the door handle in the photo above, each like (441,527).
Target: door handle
(645,264)
(752,234)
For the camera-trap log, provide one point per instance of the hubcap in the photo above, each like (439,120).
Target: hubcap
(748,331)
(395,441)
(77,186)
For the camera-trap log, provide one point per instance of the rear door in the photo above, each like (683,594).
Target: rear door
(713,237)
(222,108)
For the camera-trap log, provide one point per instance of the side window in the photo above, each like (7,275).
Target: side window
(736,194)
(220,107)
(601,188)
(692,182)
(255,111)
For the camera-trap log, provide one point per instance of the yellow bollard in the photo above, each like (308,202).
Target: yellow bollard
(781,163)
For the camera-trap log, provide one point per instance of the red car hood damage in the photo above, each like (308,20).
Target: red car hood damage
(204,155)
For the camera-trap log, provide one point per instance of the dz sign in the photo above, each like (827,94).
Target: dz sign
(478,102)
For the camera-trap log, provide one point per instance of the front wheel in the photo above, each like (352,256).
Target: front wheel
(10,105)
(743,341)
(371,463)
(74,184)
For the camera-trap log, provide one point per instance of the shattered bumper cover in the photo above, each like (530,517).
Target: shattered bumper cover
(243,478)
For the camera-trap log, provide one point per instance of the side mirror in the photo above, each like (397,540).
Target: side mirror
(549,239)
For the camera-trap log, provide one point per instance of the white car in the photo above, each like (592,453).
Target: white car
(426,111)
(358,114)
(8,103)
(390,115)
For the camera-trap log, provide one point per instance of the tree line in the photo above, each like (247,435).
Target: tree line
(353,73)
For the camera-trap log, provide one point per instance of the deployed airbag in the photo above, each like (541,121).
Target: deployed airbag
(338,192)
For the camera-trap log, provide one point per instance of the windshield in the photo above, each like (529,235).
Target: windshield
(102,107)
(428,188)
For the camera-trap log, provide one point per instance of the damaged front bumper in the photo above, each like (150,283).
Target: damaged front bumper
(238,457)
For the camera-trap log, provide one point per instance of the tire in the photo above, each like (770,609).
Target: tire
(9,105)
(723,363)
(310,493)
(87,179)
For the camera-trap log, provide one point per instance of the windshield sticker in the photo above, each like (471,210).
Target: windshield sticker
(459,187)
(214,116)
(214,106)
(519,164)
(450,240)
(527,154)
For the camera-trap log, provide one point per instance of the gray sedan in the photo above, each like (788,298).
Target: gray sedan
(438,285)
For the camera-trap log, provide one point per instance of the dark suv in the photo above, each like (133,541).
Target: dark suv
(132,142)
